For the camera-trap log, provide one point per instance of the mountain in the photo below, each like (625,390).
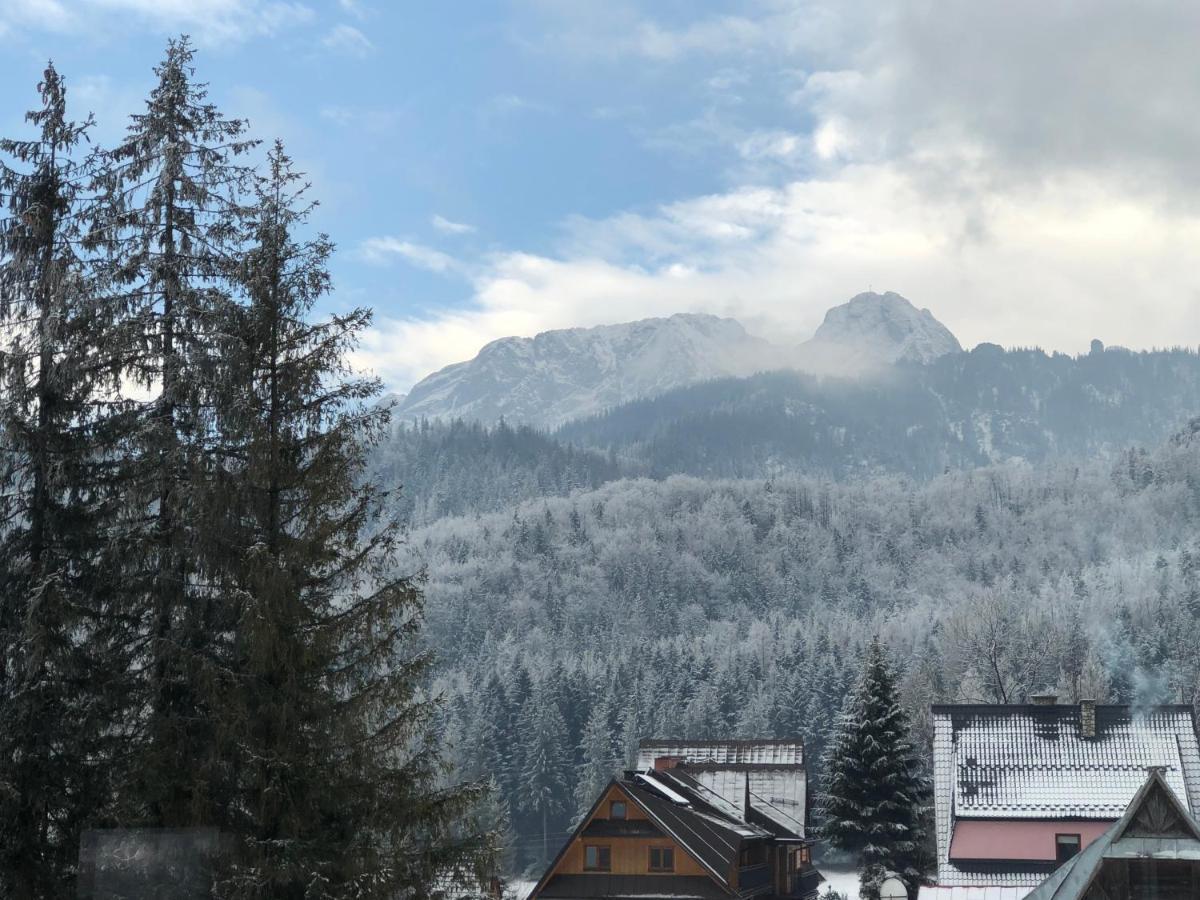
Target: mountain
(561,375)
(959,411)
(577,372)
(873,330)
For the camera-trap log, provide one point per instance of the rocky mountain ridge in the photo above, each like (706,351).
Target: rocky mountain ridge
(567,374)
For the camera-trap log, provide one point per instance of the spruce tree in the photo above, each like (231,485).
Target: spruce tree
(598,751)
(59,694)
(339,779)
(875,793)
(547,763)
(168,226)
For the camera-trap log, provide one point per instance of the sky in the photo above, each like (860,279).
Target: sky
(1029,171)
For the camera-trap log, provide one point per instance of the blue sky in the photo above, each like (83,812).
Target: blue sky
(492,168)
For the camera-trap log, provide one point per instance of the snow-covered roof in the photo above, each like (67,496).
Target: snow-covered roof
(788,752)
(1033,762)
(1155,826)
(768,775)
(978,892)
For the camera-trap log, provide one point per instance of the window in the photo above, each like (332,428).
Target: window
(616,809)
(597,859)
(1065,846)
(662,859)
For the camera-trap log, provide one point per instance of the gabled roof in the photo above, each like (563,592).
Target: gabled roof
(1032,762)
(1155,826)
(1028,762)
(710,835)
(760,781)
(784,752)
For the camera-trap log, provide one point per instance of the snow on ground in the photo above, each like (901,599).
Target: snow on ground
(845,883)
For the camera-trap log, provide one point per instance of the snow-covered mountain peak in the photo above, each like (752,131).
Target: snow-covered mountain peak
(885,328)
(573,372)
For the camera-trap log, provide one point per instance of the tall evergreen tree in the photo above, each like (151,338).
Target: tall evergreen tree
(876,793)
(340,788)
(57,699)
(601,758)
(168,222)
(547,763)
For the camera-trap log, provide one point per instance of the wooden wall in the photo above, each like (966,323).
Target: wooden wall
(630,855)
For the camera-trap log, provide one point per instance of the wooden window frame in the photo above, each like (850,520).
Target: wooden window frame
(650,867)
(1058,858)
(612,806)
(602,850)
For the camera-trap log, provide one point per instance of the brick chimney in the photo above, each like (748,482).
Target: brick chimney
(666,762)
(1087,718)
(1046,699)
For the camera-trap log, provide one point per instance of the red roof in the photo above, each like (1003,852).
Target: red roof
(1031,839)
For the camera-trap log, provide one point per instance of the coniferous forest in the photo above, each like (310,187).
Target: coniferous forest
(569,626)
(201,621)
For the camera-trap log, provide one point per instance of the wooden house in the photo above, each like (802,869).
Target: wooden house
(690,823)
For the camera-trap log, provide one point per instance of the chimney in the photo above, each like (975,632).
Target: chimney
(1087,718)
(1044,699)
(661,763)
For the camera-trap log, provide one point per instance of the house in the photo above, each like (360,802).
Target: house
(1021,789)
(695,820)
(1152,852)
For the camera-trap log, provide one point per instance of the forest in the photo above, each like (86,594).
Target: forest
(568,626)
(200,629)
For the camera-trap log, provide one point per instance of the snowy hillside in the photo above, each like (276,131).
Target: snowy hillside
(561,375)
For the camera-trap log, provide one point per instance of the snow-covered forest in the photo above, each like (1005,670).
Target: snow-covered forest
(568,626)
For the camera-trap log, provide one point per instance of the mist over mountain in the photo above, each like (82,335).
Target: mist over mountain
(960,411)
(871,331)
(561,375)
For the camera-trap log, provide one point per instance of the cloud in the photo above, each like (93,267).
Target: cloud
(1025,170)
(1059,266)
(382,250)
(347,39)
(445,226)
(211,21)
(371,121)
(48,15)
(355,9)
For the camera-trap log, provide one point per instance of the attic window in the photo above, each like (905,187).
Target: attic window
(1065,846)
(662,859)
(596,858)
(616,809)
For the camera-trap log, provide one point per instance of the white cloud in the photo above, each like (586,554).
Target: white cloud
(381,250)
(1057,265)
(446,226)
(349,40)
(50,15)
(1027,172)
(211,21)
(355,9)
